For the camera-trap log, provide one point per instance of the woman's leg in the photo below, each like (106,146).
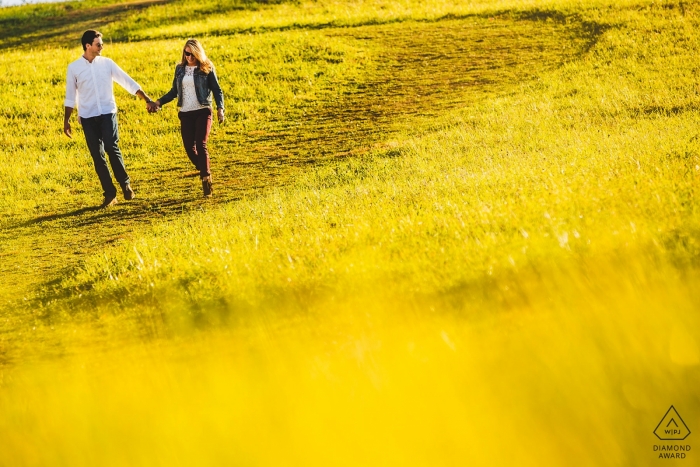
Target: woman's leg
(187,129)
(202,129)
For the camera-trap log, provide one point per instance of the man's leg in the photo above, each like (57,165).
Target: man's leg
(93,137)
(110,136)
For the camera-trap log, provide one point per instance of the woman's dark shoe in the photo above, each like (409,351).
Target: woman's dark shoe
(206,186)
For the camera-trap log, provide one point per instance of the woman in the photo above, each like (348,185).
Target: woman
(194,83)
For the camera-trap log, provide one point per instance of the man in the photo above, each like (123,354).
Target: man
(89,87)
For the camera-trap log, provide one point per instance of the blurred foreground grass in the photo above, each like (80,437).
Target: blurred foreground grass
(573,371)
(511,280)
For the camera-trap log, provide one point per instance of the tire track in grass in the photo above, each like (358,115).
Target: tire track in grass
(423,70)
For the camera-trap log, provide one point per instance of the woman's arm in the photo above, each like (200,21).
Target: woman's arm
(170,95)
(213,84)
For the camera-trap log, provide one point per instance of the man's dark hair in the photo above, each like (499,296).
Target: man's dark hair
(88,37)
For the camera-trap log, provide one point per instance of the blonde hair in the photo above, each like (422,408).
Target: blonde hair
(197,50)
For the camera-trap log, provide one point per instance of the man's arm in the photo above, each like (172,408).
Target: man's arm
(70,101)
(66,123)
(143,96)
(128,83)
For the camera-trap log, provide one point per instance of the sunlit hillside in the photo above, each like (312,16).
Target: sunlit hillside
(442,233)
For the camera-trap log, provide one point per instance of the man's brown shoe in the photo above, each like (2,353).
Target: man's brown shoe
(108,202)
(128,192)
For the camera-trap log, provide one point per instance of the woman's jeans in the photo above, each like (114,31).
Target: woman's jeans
(195,127)
(102,135)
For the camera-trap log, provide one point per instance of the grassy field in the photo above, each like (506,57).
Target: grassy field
(443,233)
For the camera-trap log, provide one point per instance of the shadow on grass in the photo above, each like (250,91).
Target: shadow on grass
(53,217)
(61,24)
(120,213)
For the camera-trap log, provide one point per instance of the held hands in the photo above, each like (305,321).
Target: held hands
(153,107)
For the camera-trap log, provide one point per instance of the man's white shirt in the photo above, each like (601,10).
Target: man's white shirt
(89,86)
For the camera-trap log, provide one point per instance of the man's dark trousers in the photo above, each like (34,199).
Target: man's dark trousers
(102,135)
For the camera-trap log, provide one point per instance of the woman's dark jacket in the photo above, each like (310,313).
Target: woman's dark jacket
(204,84)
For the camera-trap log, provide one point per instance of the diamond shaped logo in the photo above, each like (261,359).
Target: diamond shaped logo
(672,427)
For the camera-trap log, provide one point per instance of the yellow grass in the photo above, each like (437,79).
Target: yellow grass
(500,272)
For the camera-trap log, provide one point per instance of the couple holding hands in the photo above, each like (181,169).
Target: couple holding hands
(89,83)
